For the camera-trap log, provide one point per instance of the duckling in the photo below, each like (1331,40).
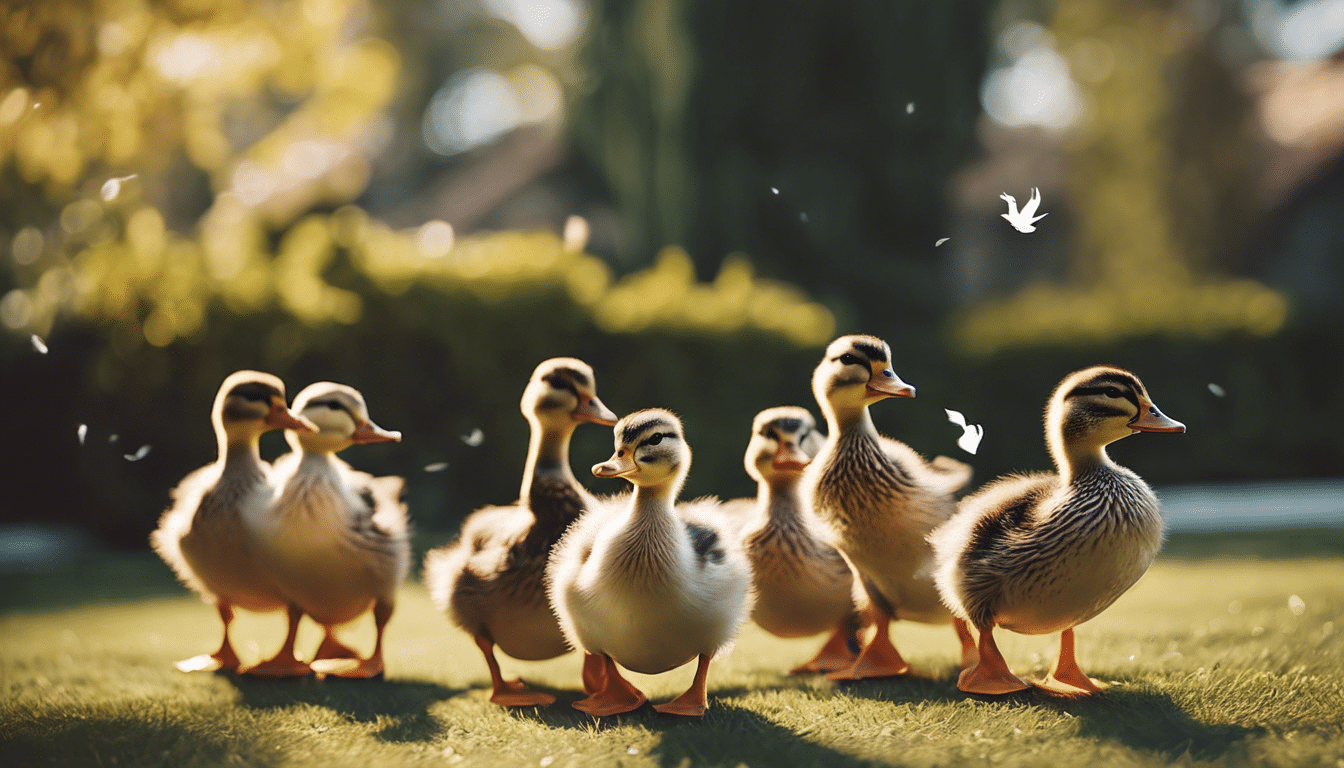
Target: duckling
(336,540)
(201,536)
(640,582)
(491,581)
(803,586)
(880,500)
(1044,552)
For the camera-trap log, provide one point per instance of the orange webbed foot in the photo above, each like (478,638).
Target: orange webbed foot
(208,662)
(515,693)
(1082,686)
(833,656)
(278,666)
(355,669)
(979,679)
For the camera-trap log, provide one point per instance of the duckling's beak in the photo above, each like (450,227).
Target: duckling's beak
(790,457)
(885,383)
(616,466)
(281,417)
(368,432)
(592,409)
(1152,420)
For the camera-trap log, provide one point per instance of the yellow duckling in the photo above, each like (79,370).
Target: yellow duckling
(803,585)
(880,501)
(202,535)
(644,583)
(1044,552)
(335,540)
(492,580)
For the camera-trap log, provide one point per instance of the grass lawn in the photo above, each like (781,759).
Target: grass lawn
(1216,664)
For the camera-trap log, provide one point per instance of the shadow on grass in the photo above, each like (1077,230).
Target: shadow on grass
(1147,721)
(405,702)
(728,734)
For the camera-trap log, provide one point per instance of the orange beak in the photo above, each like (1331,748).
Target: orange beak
(368,432)
(1152,420)
(790,458)
(885,383)
(281,417)
(591,409)
(616,466)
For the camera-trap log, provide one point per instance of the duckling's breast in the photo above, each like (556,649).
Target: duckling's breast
(218,549)
(803,586)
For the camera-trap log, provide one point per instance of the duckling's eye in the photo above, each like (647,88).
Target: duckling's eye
(1112,392)
(656,439)
(848,359)
(253,397)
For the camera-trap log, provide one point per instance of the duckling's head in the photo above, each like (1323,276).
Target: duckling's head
(1096,406)
(562,393)
(250,403)
(855,373)
(651,450)
(783,442)
(339,419)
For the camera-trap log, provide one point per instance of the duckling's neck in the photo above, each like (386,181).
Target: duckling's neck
(653,511)
(242,456)
(548,456)
(780,498)
(1073,460)
(850,419)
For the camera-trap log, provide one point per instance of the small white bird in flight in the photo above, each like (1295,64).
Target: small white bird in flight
(1023,220)
(971,433)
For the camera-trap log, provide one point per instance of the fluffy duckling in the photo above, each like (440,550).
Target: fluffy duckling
(1044,552)
(803,585)
(335,540)
(880,500)
(643,583)
(492,581)
(202,535)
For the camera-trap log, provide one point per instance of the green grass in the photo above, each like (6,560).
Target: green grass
(1214,668)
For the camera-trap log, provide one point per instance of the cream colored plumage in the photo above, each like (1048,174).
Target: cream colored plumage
(1041,553)
(639,582)
(491,581)
(880,500)
(803,585)
(201,536)
(335,540)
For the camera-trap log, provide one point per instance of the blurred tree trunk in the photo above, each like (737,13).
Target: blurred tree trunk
(855,112)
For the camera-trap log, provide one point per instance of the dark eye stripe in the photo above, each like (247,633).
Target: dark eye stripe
(558,381)
(655,438)
(254,391)
(873,351)
(335,405)
(1125,391)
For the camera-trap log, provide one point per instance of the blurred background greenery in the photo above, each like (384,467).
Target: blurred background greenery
(425,199)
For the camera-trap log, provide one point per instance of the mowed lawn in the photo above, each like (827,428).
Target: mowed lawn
(1230,651)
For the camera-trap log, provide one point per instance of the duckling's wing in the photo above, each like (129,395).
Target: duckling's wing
(176,521)
(942,475)
(948,474)
(737,514)
(981,539)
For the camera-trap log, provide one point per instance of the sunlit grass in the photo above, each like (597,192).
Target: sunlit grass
(1215,664)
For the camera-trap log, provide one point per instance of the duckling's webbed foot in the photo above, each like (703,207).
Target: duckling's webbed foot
(877,659)
(834,655)
(224,659)
(970,656)
(694,701)
(990,674)
(1066,678)
(283,663)
(509,693)
(331,648)
(617,696)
